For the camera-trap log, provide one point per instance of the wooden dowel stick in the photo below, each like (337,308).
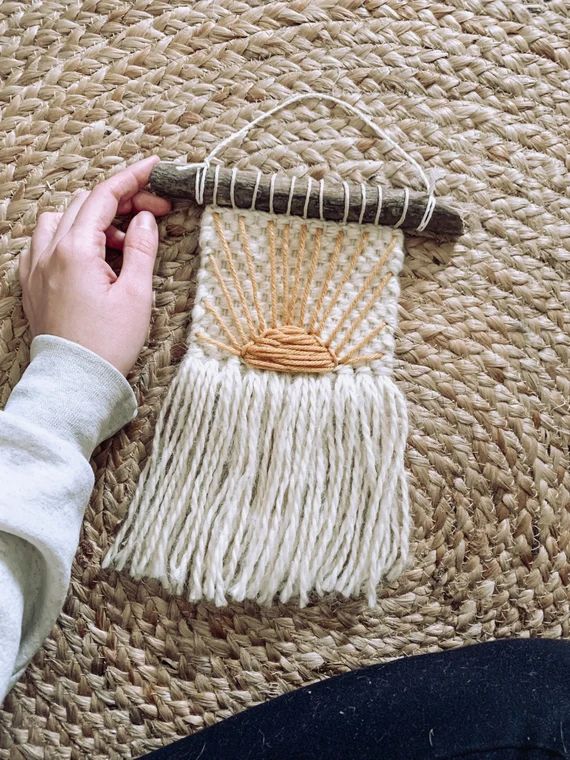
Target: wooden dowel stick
(168,180)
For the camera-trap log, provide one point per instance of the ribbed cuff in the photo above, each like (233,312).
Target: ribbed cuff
(73,392)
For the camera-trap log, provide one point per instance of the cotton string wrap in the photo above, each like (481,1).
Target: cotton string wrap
(363,116)
(277,465)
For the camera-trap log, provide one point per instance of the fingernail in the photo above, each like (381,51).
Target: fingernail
(146,220)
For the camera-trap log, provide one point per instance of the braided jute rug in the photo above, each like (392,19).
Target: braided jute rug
(477,91)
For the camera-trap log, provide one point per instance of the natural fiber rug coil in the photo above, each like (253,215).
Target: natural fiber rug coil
(477,91)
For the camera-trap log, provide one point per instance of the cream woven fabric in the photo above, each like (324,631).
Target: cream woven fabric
(340,296)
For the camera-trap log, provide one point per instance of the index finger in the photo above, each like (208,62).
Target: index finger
(99,210)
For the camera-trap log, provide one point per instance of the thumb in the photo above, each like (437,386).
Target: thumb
(139,251)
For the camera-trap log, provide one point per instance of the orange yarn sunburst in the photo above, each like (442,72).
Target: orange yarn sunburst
(290,339)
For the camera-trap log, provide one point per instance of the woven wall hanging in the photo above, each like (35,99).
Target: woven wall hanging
(277,465)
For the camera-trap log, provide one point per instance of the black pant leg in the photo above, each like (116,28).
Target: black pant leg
(500,700)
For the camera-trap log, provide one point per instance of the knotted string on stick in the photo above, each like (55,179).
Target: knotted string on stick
(209,182)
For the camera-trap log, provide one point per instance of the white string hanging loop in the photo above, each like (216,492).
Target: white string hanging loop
(202,168)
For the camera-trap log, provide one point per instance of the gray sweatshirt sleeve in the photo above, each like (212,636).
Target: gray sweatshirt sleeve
(68,400)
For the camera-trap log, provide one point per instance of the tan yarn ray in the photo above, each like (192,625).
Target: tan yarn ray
(364,358)
(361,343)
(225,329)
(327,280)
(361,316)
(231,266)
(297,275)
(219,344)
(249,259)
(311,273)
(229,300)
(345,278)
(349,311)
(290,347)
(285,259)
(482,344)
(273,272)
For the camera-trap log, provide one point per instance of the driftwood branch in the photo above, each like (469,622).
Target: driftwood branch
(179,181)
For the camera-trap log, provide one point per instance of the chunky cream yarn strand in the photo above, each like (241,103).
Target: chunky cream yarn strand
(283,487)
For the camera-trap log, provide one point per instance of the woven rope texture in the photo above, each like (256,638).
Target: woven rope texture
(477,92)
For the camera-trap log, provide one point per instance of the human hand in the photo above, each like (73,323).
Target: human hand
(69,290)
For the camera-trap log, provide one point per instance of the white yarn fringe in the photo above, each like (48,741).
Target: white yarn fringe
(262,484)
